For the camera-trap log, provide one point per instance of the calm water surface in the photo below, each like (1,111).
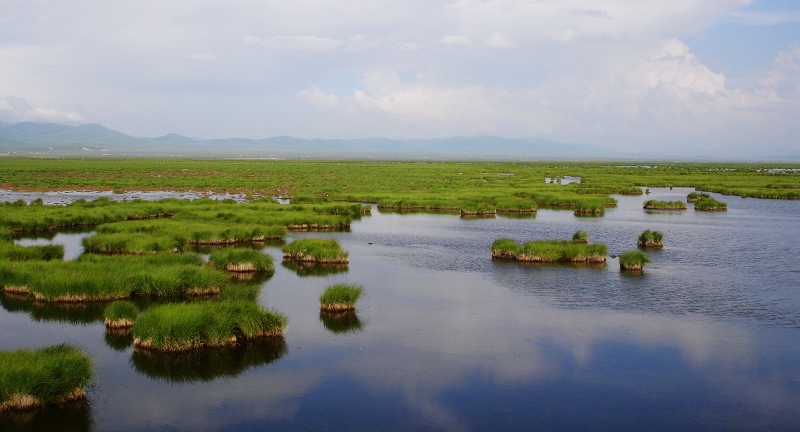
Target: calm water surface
(708,338)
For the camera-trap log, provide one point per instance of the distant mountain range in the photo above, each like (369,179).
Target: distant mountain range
(30,139)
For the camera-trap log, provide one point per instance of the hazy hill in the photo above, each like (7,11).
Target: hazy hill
(30,138)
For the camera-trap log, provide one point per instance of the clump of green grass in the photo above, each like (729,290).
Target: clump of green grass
(120,315)
(651,239)
(241,260)
(633,260)
(694,196)
(32,378)
(710,204)
(182,327)
(590,208)
(581,236)
(12,252)
(315,250)
(549,251)
(664,205)
(340,297)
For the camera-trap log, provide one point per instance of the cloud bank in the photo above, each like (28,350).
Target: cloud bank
(603,72)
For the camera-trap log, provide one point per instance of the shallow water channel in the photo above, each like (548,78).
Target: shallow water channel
(707,338)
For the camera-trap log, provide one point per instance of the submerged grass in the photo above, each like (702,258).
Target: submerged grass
(182,327)
(315,250)
(241,260)
(651,239)
(549,251)
(32,378)
(633,260)
(340,297)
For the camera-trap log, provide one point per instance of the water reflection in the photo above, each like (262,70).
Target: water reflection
(210,363)
(118,339)
(72,313)
(341,322)
(74,416)
(313,269)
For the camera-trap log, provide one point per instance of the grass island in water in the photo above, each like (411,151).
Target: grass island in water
(549,251)
(340,297)
(651,239)
(325,251)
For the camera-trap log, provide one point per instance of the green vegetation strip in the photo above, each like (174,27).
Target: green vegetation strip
(664,205)
(182,327)
(12,252)
(340,297)
(549,251)
(32,378)
(315,250)
(102,278)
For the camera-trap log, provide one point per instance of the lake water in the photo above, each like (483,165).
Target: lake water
(707,338)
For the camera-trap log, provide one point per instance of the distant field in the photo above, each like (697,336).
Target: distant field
(404,185)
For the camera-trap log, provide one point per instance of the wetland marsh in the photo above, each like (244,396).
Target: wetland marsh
(446,338)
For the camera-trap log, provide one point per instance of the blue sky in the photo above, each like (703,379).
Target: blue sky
(669,77)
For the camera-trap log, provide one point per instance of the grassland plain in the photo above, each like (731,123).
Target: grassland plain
(32,378)
(433,185)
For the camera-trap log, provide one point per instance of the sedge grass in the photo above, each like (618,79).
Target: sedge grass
(549,251)
(633,260)
(241,260)
(710,204)
(120,314)
(182,327)
(581,236)
(340,297)
(651,239)
(12,252)
(664,205)
(694,196)
(315,250)
(32,378)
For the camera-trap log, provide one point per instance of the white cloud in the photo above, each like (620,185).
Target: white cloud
(455,40)
(312,43)
(202,56)
(16,109)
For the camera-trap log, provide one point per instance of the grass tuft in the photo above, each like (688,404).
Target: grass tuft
(340,297)
(120,314)
(241,260)
(581,237)
(549,251)
(32,378)
(633,260)
(315,250)
(664,205)
(651,239)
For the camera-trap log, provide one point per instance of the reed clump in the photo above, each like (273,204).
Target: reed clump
(651,239)
(694,196)
(241,261)
(33,378)
(633,260)
(182,327)
(664,205)
(581,236)
(340,297)
(315,250)
(710,204)
(549,251)
(120,315)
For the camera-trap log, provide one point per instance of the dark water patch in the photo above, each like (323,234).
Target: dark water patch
(341,321)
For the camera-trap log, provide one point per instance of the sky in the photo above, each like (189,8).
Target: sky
(649,75)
